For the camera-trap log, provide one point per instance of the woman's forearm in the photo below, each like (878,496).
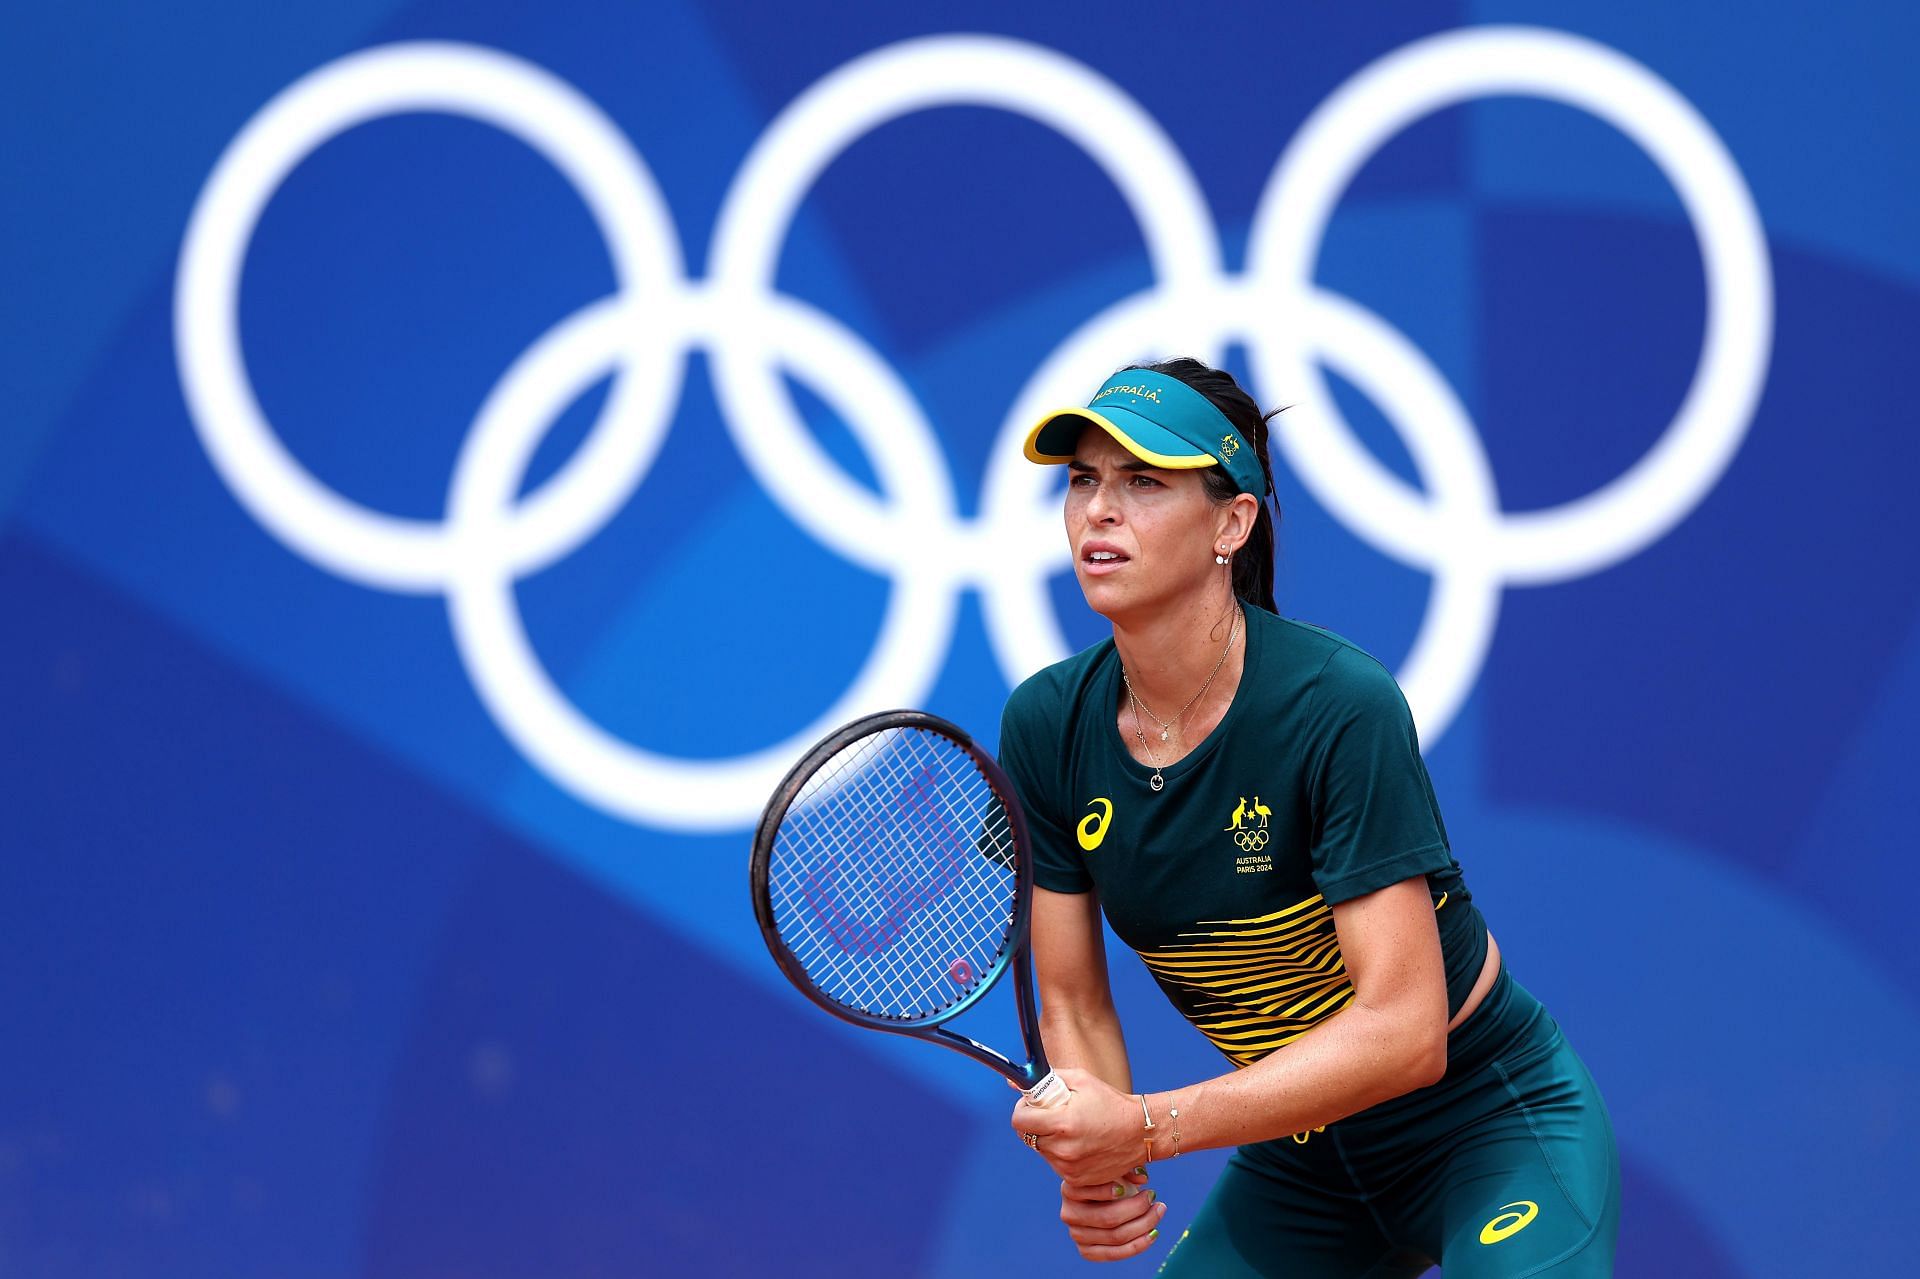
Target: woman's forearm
(1357,1058)
(1089,1038)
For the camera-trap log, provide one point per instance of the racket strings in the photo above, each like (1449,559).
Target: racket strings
(892,875)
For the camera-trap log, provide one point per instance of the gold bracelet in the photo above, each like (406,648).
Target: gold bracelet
(1174,1112)
(1145,1115)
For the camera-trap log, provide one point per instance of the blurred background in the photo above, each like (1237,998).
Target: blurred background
(457,455)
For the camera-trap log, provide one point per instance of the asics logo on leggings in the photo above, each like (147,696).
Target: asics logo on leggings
(1513,1218)
(1452,525)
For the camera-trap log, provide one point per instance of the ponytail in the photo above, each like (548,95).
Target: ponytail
(1253,562)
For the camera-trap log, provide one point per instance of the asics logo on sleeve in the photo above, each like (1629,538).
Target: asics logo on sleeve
(1093,827)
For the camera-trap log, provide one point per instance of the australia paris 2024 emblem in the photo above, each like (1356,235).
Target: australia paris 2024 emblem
(1248,826)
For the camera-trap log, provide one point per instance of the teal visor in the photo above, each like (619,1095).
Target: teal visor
(1160,420)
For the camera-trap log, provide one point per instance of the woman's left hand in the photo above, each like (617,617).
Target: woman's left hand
(1093,1136)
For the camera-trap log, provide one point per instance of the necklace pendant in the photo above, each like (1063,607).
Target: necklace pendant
(1157,782)
(1163,734)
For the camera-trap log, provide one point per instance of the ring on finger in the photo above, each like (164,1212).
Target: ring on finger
(1033,1142)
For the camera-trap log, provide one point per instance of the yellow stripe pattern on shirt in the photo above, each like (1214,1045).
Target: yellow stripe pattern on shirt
(1251,985)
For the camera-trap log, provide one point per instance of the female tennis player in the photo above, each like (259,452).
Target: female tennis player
(1244,797)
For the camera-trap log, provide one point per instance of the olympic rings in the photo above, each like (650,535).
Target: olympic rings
(1250,841)
(644,333)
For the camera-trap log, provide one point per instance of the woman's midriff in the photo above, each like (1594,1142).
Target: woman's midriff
(1481,985)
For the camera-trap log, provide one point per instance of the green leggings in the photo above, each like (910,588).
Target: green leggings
(1505,1168)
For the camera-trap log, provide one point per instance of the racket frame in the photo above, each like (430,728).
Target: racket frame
(1015,955)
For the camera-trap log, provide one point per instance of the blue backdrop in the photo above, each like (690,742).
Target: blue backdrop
(457,453)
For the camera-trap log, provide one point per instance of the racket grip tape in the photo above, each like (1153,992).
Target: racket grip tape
(1050,1091)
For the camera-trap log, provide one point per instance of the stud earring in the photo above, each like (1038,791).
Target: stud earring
(1221,558)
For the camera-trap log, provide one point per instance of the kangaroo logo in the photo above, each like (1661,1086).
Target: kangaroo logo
(1244,813)
(1248,825)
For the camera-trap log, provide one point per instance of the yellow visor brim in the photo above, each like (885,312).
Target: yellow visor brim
(1052,440)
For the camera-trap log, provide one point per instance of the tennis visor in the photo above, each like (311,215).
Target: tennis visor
(1160,420)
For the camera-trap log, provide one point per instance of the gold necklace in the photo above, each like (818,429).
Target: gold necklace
(1157,781)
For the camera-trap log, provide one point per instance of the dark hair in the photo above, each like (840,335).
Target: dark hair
(1253,563)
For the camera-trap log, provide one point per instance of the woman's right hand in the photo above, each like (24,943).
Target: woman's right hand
(1113,1220)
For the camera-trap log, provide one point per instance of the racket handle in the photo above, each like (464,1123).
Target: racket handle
(1050,1091)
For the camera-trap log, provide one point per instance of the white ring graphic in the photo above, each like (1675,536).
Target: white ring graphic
(1590,533)
(913,534)
(341,536)
(615,775)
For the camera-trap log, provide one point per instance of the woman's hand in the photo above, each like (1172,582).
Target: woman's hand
(1113,1220)
(1092,1138)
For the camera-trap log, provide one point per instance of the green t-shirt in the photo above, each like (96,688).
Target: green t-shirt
(1310,791)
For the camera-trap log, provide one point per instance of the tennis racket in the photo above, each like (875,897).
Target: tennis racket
(893,881)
